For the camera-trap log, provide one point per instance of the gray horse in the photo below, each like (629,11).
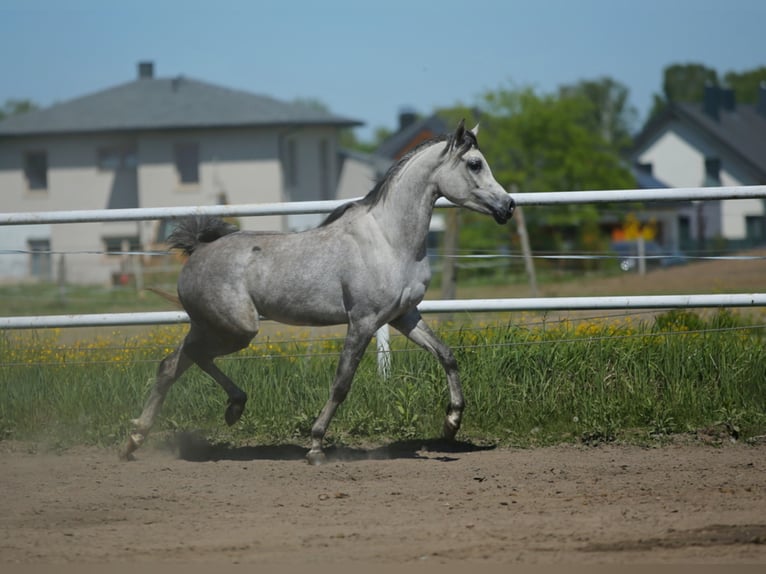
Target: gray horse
(364,266)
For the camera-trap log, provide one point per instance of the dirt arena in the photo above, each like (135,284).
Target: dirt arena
(404,504)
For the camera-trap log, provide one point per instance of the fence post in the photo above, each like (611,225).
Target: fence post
(62,280)
(529,264)
(384,351)
(138,274)
(449,262)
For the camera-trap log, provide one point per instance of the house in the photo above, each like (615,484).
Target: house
(717,142)
(155,142)
(360,171)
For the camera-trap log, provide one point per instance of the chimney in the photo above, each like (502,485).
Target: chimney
(760,105)
(145,70)
(407,117)
(711,100)
(728,99)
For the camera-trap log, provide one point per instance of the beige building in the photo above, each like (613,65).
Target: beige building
(156,142)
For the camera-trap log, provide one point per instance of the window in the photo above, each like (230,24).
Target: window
(40,262)
(755,229)
(36,170)
(684,228)
(187,162)
(291,163)
(114,245)
(712,171)
(645,167)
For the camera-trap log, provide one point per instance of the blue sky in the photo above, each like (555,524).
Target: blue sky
(367,60)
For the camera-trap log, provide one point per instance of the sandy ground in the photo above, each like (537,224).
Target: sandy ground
(403,504)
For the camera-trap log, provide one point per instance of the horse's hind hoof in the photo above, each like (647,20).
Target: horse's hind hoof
(234,412)
(131,445)
(316,457)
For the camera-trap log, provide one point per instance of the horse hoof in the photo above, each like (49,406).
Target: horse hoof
(126,453)
(316,457)
(449,430)
(234,412)
(126,456)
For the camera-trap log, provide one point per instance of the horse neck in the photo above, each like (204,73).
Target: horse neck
(405,213)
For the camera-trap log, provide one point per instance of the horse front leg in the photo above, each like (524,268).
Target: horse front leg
(353,349)
(414,328)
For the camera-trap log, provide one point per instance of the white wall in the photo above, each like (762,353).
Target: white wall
(356,179)
(239,165)
(677,155)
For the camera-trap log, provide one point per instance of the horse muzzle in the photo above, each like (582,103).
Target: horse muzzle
(502,213)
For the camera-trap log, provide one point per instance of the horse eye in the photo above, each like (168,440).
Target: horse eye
(474,164)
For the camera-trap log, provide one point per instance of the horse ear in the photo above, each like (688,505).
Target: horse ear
(475,130)
(460,132)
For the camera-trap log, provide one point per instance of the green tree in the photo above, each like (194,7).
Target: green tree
(542,142)
(746,84)
(683,83)
(548,143)
(611,114)
(14,107)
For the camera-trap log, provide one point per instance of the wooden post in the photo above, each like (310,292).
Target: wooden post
(62,280)
(138,274)
(529,264)
(449,265)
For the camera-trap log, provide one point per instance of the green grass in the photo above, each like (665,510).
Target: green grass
(595,380)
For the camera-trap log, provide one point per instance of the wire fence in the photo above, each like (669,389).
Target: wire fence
(501,259)
(273,348)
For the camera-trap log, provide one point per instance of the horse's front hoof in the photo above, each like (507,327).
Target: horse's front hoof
(316,457)
(449,430)
(234,412)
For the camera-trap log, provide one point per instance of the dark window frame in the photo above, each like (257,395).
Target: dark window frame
(36,170)
(187,162)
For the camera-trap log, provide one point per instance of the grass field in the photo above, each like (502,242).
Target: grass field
(529,379)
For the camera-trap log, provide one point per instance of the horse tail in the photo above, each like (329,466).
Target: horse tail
(189,233)
(165,295)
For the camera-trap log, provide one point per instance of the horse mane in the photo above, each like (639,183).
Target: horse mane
(462,141)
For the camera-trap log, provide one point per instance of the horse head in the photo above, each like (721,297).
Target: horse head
(466,179)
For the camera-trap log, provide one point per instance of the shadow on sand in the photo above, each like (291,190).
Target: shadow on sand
(195,448)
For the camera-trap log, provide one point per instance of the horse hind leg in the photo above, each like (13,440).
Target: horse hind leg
(169,370)
(237,397)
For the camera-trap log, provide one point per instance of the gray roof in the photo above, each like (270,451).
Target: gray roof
(166,103)
(742,130)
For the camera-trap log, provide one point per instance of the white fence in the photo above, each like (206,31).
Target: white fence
(305,207)
(476,305)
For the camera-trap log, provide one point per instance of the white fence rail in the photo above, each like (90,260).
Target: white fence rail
(469,305)
(475,305)
(306,207)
